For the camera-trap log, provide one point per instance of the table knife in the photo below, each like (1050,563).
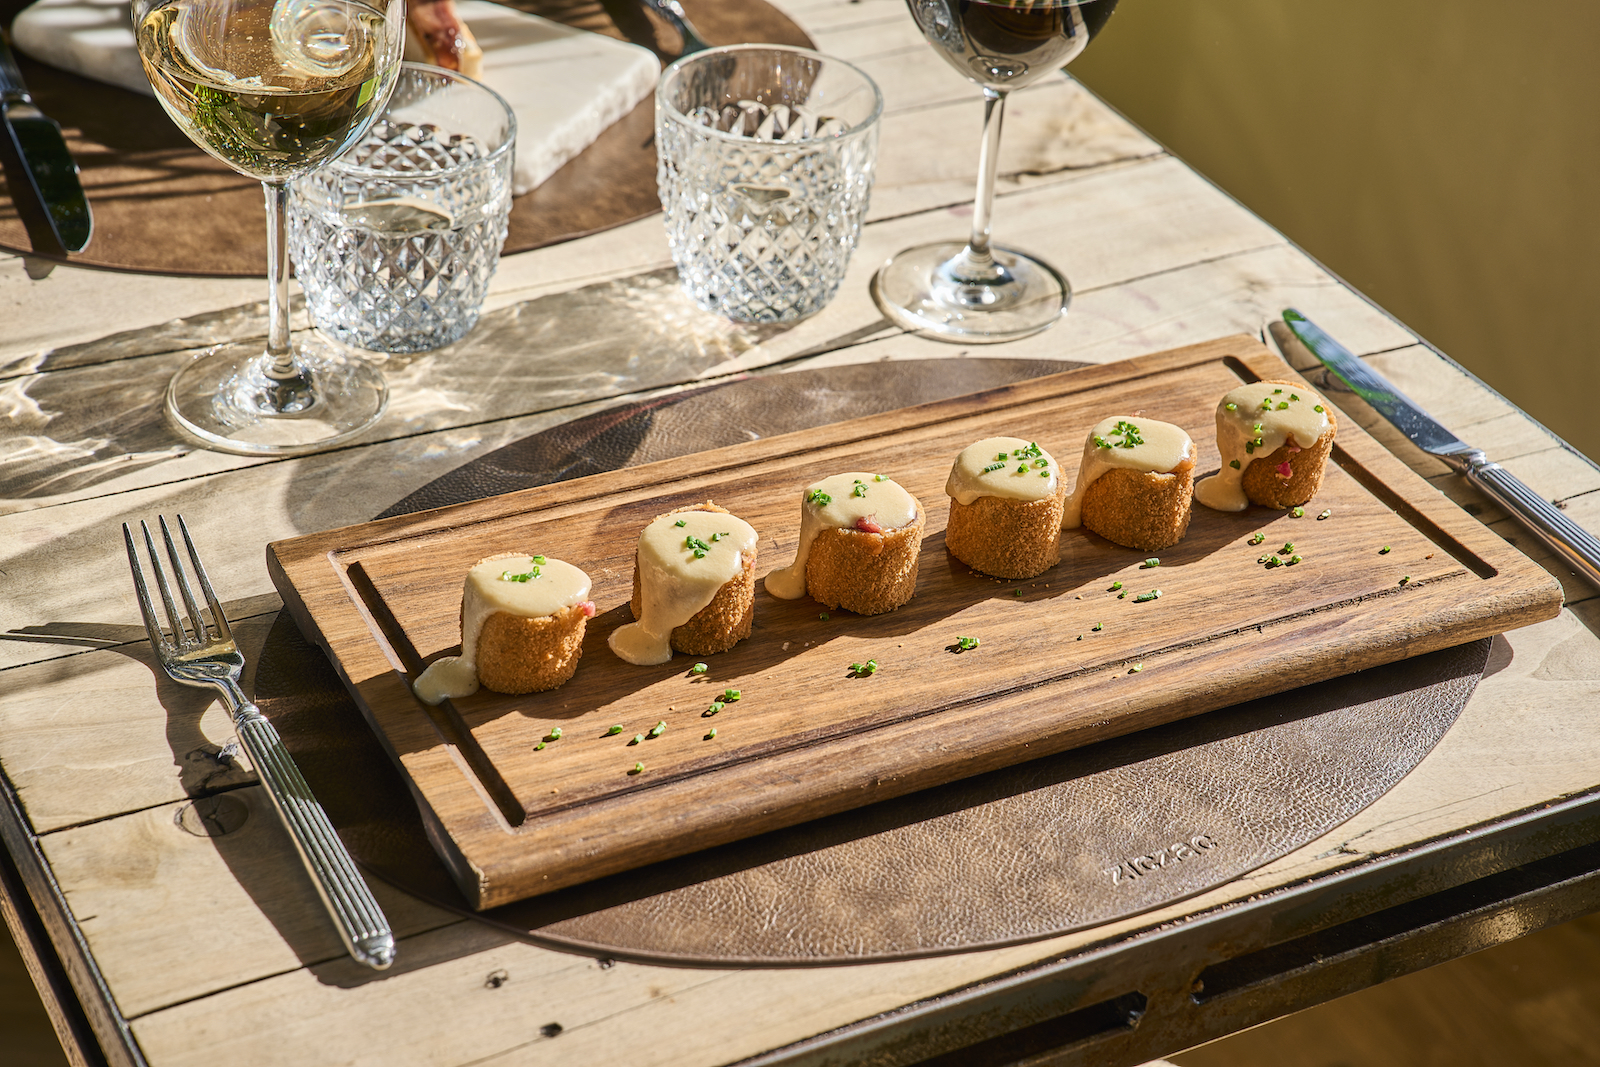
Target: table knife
(51,174)
(1579,547)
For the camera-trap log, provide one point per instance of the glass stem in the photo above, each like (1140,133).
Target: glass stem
(994,109)
(288,383)
(974,273)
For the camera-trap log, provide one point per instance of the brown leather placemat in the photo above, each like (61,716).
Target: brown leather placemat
(161,205)
(1011,856)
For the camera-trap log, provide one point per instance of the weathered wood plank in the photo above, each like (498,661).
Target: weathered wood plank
(627,335)
(134,884)
(1525,737)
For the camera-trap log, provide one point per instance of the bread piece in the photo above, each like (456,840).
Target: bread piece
(1139,509)
(1263,480)
(1007,538)
(517,654)
(867,573)
(722,623)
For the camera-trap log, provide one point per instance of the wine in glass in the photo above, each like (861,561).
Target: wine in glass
(975,292)
(274,90)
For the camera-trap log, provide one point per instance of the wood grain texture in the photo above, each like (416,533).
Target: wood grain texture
(806,739)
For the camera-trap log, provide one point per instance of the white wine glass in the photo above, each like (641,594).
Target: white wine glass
(274,90)
(975,292)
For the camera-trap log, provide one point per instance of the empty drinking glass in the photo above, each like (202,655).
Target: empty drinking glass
(394,242)
(766,158)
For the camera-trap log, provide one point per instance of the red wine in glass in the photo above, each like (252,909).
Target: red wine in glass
(973,292)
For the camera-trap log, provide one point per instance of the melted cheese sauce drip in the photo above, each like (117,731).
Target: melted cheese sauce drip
(979,471)
(885,503)
(674,585)
(557,587)
(1162,449)
(1251,429)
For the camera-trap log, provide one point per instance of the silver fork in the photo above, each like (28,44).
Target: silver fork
(199,655)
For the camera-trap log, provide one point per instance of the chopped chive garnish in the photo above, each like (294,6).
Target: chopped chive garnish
(879,478)
(1231,406)
(658,729)
(1044,474)
(1153,561)
(554,734)
(711,734)
(1022,468)
(539,746)
(1257,537)
(1277,392)
(1145,598)
(1294,396)
(697,546)
(823,616)
(1097,627)
(1266,405)
(638,739)
(730,695)
(1122,595)
(716,706)
(1405,579)
(1288,547)
(1324,513)
(1002,455)
(819,498)
(860,489)
(1318,409)
(992,467)
(615,729)
(507,576)
(1249,448)
(965,643)
(716,537)
(1384,551)
(1016,592)
(1234,464)
(638,768)
(1298,513)
(861,670)
(1283,405)
(1293,560)
(1115,586)
(681,522)
(699,668)
(1136,668)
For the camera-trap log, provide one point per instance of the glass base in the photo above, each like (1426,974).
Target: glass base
(226,399)
(939,291)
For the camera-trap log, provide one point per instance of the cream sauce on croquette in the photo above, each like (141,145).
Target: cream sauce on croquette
(1125,442)
(854,500)
(1256,420)
(1006,467)
(683,559)
(530,587)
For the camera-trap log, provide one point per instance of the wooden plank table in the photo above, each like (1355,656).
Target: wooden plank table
(149,948)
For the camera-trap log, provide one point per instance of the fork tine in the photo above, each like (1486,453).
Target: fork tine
(179,638)
(181,574)
(217,616)
(142,590)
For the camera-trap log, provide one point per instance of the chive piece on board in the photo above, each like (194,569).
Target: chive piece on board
(617,729)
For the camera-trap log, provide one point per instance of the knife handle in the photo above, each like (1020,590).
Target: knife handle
(12,87)
(1579,547)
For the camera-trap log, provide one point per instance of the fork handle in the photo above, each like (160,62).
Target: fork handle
(361,922)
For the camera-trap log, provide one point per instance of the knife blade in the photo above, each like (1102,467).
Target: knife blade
(1579,547)
(51,176)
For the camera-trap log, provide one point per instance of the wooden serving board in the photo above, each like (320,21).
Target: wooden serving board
(808,739)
